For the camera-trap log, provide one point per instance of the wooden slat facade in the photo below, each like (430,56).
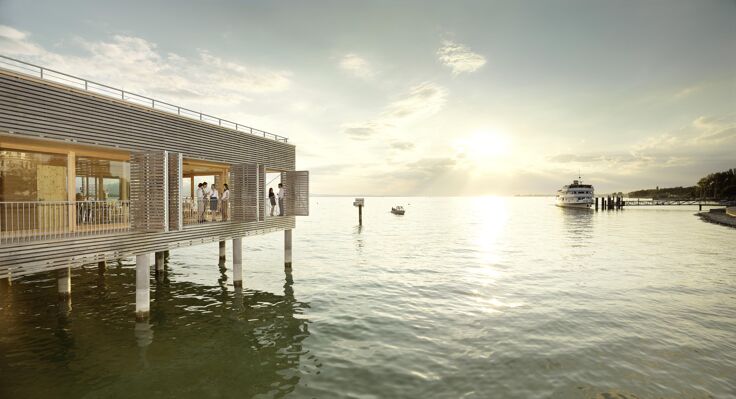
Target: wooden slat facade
(32,108)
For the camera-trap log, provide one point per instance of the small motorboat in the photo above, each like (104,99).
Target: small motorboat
(397,210)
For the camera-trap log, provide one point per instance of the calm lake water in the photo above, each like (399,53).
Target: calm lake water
(461,297)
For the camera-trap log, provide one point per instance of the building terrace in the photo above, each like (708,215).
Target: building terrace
(90,174)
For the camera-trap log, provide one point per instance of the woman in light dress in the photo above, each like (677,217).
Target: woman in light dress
(225,201)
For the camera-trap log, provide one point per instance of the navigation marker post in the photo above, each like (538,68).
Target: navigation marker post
(359,202)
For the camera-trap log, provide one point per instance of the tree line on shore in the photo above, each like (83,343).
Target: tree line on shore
(719,185)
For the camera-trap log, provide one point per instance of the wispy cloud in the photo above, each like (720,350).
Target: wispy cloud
(705,133)
(362,130)
(356,66)
(459,57)
(402,145)
(705,139)
(139,65)
(420,101)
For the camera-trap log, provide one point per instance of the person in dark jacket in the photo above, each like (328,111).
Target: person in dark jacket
(272,199)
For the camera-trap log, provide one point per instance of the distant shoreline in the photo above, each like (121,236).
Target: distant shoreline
(718,218)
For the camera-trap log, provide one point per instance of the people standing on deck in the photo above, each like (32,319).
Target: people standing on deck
(281,199)
(205,199)
(214,200)
(225,201)
(200,205)
(272,199)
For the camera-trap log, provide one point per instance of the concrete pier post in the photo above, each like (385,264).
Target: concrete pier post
(237,262)
(287,248)
(142,287)
(64,282)
(5,284)
(159,263)
(222,251)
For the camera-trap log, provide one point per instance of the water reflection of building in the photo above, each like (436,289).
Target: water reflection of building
(197,343)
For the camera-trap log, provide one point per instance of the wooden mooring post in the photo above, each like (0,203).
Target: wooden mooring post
(596,203)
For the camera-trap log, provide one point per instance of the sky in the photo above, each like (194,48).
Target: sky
(426,97)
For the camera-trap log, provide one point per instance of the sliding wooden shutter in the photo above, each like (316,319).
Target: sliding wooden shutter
(296,191)
(176,219)
(244,192)
(149,187)
(263,200)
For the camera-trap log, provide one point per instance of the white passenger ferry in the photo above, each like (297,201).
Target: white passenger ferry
(575,195)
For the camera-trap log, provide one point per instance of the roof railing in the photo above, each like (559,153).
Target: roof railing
(27,68)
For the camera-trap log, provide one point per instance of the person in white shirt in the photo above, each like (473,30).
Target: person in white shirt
(281,199)
(200,205)
(214,201)
(225,201)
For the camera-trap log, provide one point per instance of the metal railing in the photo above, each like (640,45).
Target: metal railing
(198,211)
(45,220)
(27,68)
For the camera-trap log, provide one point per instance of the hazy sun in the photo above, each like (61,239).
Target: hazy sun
(484,148)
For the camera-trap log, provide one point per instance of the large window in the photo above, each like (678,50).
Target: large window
(32,176)
(102,179)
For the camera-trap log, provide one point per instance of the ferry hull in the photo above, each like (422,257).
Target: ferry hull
(580,206)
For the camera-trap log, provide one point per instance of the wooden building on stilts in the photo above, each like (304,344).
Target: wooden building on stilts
(91,174)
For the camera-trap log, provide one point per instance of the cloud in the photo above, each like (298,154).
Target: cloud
(361,130)
(356,66)
(402,145)
(704,134)
(459,58)
(420,101)
(138,65)
(706,139)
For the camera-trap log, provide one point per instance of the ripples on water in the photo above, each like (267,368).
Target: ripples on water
(481,297)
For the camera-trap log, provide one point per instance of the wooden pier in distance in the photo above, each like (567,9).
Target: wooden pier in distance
(617,202)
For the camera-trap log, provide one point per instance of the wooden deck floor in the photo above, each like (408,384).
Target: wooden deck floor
(19,259)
